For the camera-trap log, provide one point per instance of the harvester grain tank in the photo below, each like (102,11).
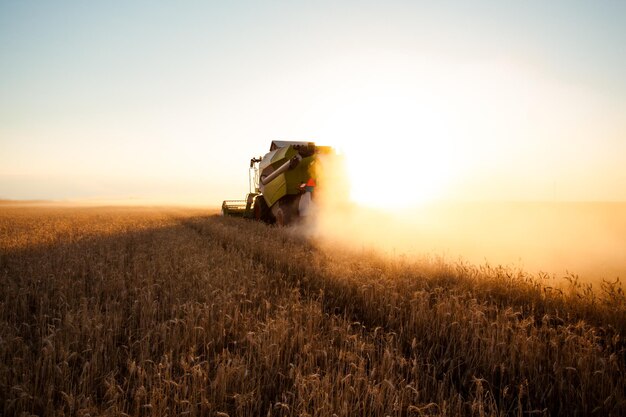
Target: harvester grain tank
(282,184)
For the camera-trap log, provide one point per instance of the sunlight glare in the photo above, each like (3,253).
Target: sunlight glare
(397,143)
(421,134)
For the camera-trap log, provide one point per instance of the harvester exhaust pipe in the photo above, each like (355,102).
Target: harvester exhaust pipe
(292,163)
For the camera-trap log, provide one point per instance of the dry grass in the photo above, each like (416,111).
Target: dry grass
(173,312)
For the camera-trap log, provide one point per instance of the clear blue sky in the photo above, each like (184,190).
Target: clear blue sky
(169,100)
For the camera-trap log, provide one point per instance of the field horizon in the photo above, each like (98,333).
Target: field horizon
(584,238)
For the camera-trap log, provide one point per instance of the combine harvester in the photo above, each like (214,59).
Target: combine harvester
(282,184)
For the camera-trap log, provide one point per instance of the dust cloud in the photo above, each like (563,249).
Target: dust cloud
(587,239)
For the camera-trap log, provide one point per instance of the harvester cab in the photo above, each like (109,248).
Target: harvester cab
(282,184)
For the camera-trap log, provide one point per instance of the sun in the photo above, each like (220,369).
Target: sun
(414,134)
(398,176)
(396,150)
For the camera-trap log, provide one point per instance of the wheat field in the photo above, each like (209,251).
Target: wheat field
(171,311)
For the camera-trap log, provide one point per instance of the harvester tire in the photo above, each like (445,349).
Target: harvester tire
(280,218)
(261,210)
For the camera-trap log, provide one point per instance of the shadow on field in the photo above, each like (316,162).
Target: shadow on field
(78,310)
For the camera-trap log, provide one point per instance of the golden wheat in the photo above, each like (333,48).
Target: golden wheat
(156,312)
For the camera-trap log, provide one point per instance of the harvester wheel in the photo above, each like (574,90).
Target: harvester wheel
(280,217)
(261,210)
(286,210)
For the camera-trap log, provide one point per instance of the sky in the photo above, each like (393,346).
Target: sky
(168,101)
